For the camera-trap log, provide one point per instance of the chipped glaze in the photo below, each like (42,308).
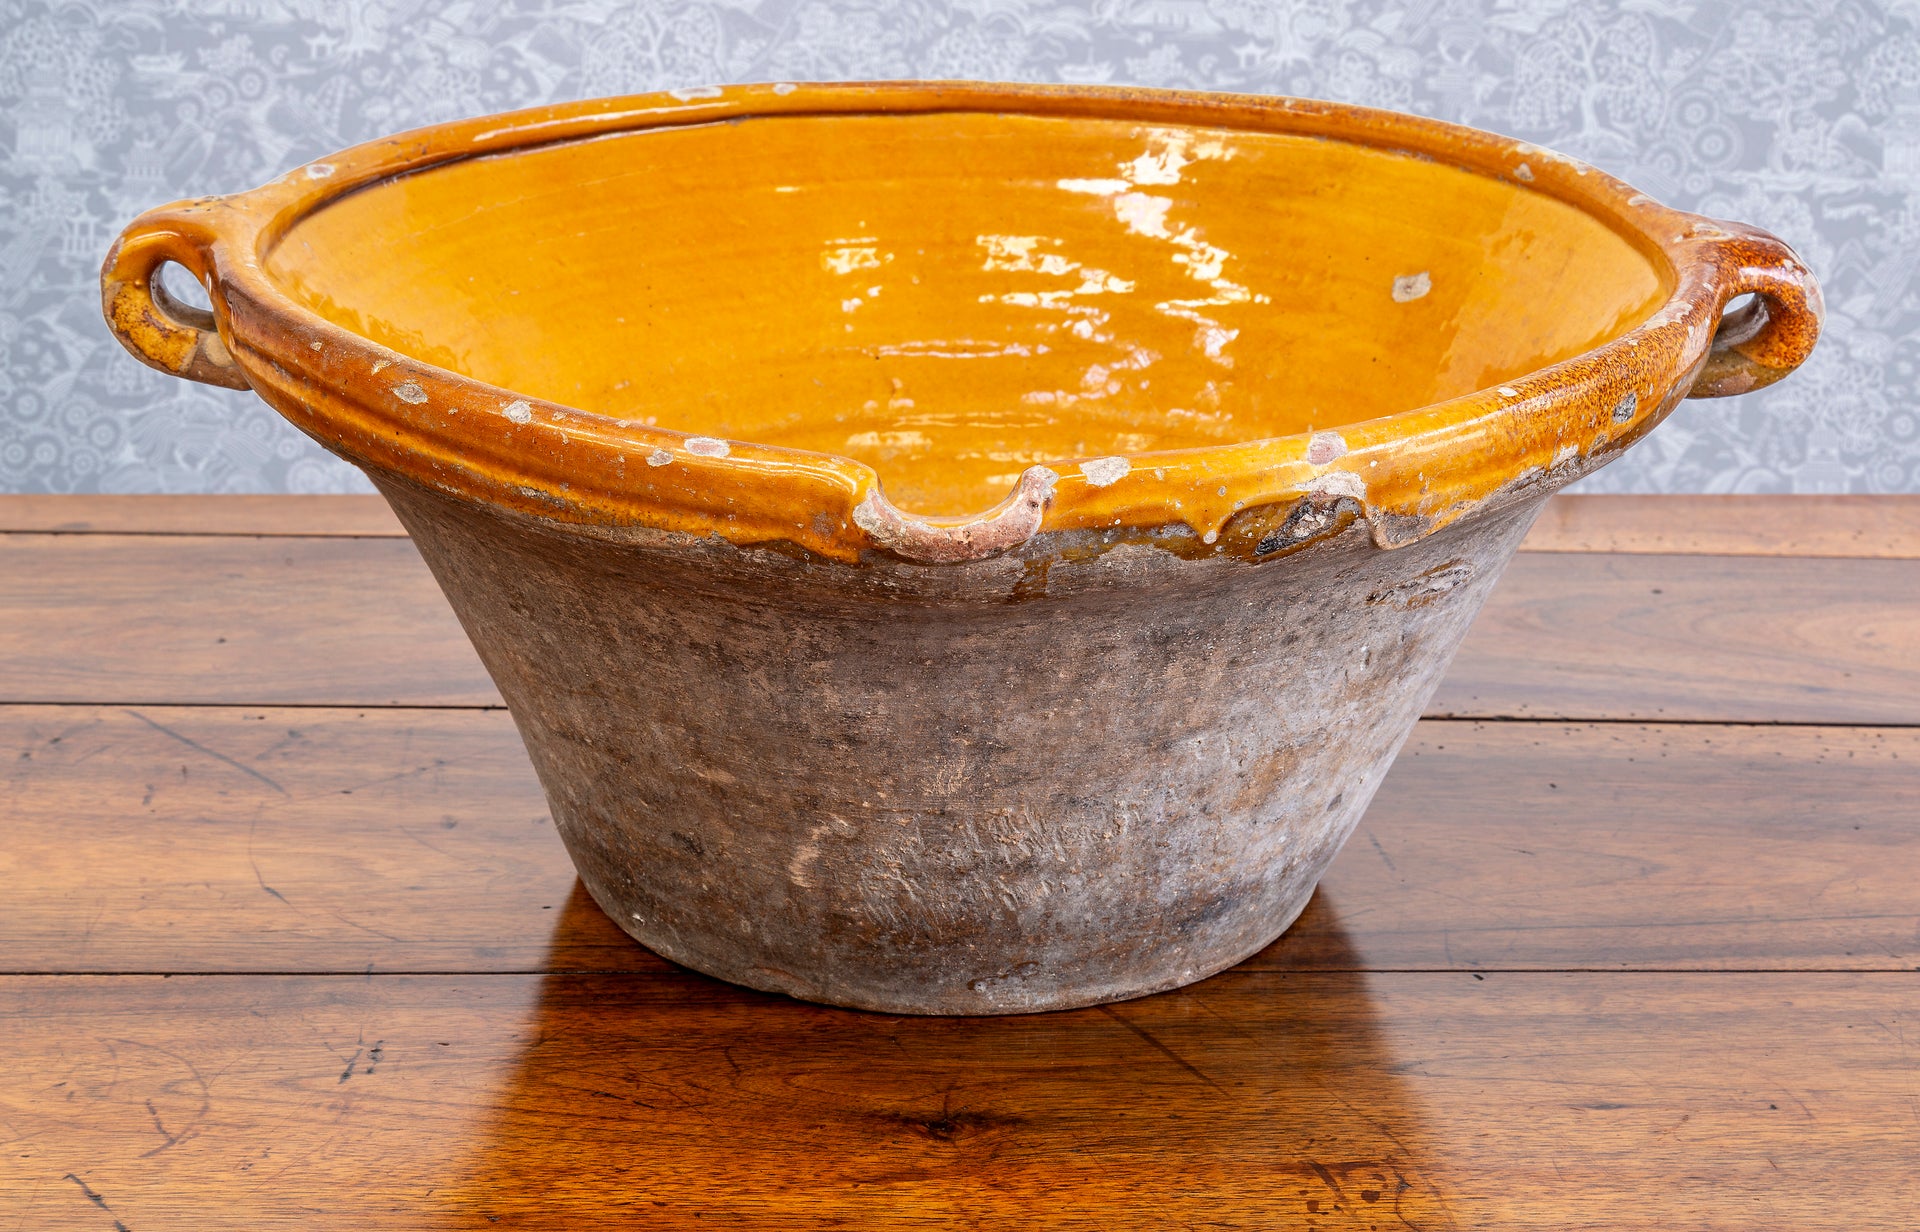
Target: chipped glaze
(1176,282)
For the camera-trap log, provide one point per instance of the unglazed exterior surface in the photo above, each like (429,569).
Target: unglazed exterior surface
(1078,771)
(956,548)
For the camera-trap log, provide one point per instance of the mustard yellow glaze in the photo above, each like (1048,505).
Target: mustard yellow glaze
(744,312)
(953,297)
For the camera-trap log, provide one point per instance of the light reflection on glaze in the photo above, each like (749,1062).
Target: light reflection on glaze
(1169,152)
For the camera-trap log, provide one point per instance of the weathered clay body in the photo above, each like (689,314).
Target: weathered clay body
(1053,777)
(1258,460)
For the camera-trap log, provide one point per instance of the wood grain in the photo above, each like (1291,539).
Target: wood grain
(359,622)
(170,620)
(1567,975)
(214,839)
(150,514)
(211,839)
(1253,1100)
(1847,526)
(1614,845)
(1700,638)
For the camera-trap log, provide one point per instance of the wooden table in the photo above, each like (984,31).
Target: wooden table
(1630,939)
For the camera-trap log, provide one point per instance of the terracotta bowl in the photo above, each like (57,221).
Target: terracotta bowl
(956,548)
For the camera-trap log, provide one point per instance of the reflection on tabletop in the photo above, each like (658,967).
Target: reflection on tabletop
(1247,1097)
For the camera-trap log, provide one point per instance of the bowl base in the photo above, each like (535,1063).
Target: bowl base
(1011,997)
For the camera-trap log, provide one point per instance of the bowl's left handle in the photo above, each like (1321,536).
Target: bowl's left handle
(157,328)
(1772,334)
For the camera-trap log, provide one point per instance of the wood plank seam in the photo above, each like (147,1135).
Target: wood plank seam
(1449,716)
(617,974)
(1839,527)
(1527,548)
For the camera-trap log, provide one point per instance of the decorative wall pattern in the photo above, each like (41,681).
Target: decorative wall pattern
(1801,115)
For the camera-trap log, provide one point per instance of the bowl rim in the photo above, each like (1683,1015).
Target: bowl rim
(1407,474)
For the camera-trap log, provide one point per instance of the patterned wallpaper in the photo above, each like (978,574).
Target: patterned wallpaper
(1801,115)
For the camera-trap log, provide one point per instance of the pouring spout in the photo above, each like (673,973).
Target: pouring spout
(941,542)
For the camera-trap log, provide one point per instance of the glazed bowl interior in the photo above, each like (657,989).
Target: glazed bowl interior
(952,297)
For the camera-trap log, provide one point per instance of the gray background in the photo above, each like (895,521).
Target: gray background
(1803,117)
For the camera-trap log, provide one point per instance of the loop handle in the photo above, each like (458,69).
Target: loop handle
(154,326)
(1764,340)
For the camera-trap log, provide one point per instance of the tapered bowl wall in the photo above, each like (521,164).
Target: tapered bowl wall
(1073,774)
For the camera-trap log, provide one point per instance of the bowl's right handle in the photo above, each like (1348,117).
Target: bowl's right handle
(1764,340)
(158,329)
